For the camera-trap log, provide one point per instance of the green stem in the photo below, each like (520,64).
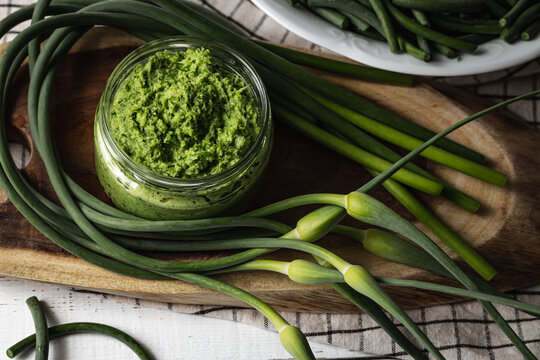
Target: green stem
(325,275)
(42,331)
(309,199)
(445,50)
(527,17)
(386,23)
(180,225)
(354,8)
(393,248)
(411,155)
(370,307)
(531,31)
(366,209)
(355,153)
(463,200)
(421,17)
(502,300)
(515,11)
(441,5)
(33,46)
(413,26)
(76,328)
(362,281)
(332,16)
(423,44)
(359,24)
(408,142)
(413,50)
(339,67)
(490,27)
(432,222)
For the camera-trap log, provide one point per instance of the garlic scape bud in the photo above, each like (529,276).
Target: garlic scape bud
(295,342)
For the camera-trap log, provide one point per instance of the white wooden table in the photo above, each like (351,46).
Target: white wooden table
(168,335)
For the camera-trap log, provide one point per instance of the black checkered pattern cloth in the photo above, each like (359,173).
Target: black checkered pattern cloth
(460,331)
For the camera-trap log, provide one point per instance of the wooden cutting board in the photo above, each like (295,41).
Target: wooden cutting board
(505,230)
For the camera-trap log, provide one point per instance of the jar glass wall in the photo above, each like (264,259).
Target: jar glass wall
(139,191)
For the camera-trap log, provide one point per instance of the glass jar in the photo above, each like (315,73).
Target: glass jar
(139,191)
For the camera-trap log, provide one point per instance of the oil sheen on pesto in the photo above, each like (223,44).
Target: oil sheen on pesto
(182,115)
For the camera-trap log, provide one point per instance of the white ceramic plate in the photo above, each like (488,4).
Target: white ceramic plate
(491,56)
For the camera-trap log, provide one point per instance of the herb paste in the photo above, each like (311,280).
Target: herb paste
(180,114)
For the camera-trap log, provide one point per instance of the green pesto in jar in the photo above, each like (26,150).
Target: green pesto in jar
(181,115)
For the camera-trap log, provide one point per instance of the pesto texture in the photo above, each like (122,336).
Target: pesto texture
(181,115)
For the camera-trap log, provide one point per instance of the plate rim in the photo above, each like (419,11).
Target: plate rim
(521,52)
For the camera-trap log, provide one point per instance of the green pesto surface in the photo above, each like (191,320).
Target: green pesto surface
(180,114)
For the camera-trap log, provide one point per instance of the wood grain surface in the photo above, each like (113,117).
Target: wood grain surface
(505,230)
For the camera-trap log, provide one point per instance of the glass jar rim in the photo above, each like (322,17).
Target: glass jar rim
(253,80)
